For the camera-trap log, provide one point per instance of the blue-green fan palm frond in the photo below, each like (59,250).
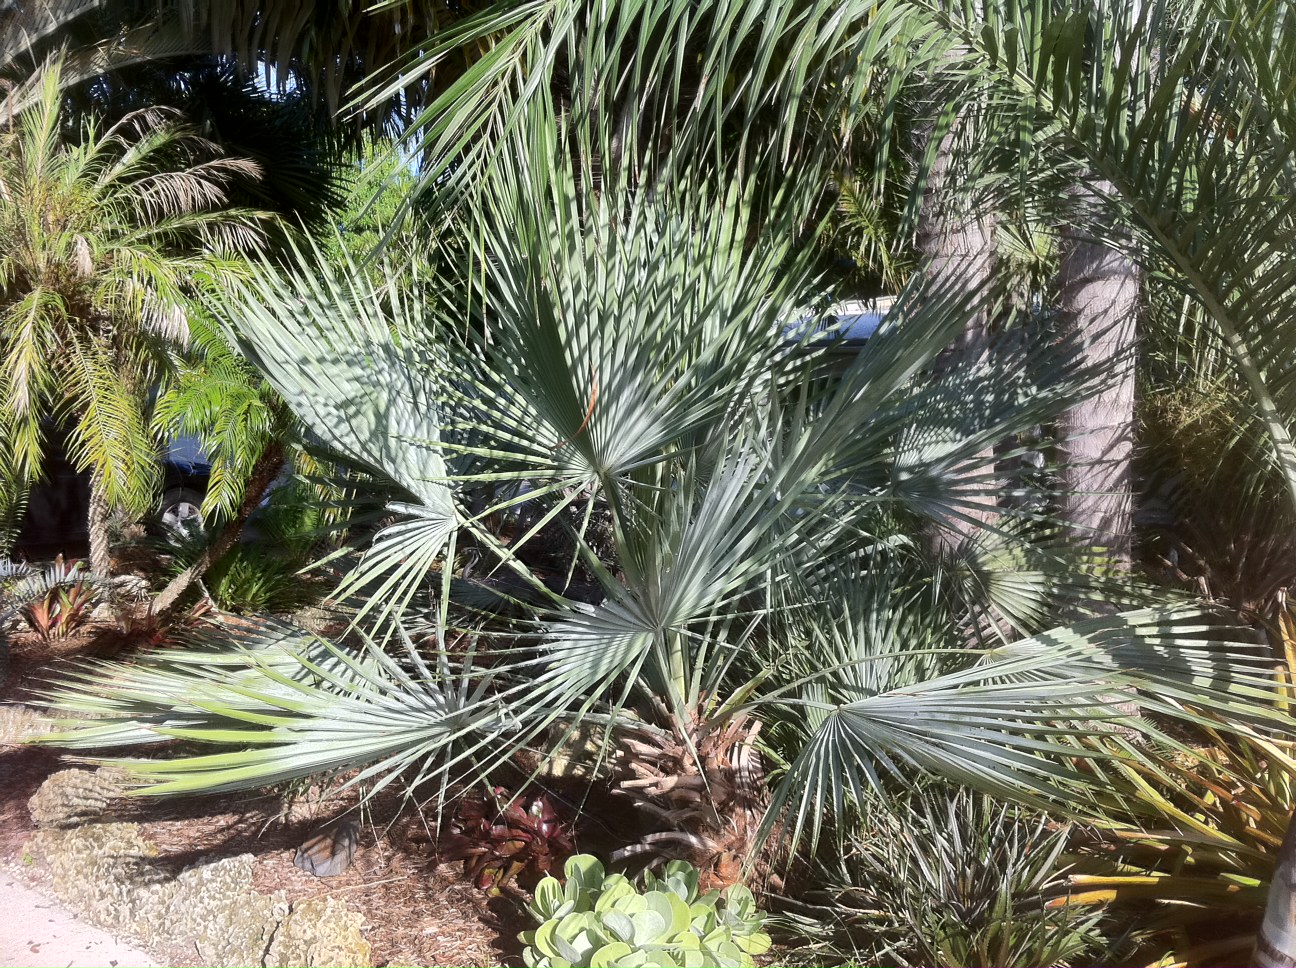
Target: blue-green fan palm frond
(712,522)
(614,353)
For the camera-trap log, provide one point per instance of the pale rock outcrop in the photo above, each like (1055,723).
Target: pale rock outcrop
(107,874)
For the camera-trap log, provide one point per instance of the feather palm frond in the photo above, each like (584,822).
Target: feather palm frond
(102,243)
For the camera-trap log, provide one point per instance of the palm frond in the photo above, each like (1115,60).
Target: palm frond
(1182,109)
(102,240)
(898,696)
(257,687)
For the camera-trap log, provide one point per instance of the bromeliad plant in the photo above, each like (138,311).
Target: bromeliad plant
(54,601)
(946,877)
(504,840)
(599,919)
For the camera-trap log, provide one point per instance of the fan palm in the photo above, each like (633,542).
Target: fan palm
(761,647)
(101,243)
(1169,120)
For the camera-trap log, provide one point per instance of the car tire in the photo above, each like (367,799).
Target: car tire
(180,512)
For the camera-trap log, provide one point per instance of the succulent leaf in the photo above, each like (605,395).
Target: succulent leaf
(621,926)
(611,955)
(606,921)
(548,898)
(615,887)
(585,872)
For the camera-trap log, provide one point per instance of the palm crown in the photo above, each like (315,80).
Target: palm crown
(103,242)
(623,370)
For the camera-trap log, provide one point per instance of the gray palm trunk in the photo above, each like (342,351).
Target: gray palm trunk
(1100,298)
(957,245)
(1276,943)
(97,525)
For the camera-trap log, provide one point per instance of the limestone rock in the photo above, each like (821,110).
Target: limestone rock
(72,797)
(585,754)
(106,874)
(317,932)
(213,908)
(100,871)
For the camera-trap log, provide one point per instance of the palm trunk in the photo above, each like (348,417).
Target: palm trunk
(266,469)
(97,525)
(957,245)
(1100,292)
(1276,943)
(704,788)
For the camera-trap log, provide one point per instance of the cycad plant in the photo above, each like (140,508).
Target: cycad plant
(104,235)
(764,645)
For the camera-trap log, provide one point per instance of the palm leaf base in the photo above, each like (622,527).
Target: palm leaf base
(703,785)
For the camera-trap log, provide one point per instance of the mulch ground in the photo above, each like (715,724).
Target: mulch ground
(417,911)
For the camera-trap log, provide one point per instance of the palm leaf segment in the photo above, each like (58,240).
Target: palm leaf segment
(389,423)
(264,686)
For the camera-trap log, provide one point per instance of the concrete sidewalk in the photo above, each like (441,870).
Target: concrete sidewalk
(36,932)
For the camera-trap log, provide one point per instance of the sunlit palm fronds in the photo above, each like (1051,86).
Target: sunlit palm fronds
(1184,109)
(216,395)
(102,244)
(621,342)
(633,352)
(727,85)
(321,49)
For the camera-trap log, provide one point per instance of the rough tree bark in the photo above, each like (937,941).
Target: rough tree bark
(957,246)
(97,526)
(266,469)
(1100,296)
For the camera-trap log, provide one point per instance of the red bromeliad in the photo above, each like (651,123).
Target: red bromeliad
(502,840)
